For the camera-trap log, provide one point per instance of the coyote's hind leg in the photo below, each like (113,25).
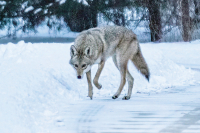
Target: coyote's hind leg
(122,68)
(130,85)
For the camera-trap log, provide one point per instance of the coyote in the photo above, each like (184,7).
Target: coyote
(96,45)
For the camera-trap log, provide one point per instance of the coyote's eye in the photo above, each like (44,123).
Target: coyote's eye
(84,65)
(75,65)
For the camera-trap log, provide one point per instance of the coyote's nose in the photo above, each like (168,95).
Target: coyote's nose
(79,77)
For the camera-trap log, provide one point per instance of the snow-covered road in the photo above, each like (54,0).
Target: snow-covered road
(176,112)
(39,92)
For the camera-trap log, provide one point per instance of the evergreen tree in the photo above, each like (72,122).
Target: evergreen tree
(78,16)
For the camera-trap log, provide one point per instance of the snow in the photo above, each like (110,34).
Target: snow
(45,11)
(37,10)
(83,2)
(50,4)
(24,4)
(61,1)
(30,8)
(2,3)
(38,84)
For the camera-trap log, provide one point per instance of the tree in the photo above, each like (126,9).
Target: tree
(197,7)
(114,11)
(154,17)
(154,20)
(196,19)
(78,16)
(25,15)
(186,25)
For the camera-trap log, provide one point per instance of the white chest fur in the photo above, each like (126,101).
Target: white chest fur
(98,60)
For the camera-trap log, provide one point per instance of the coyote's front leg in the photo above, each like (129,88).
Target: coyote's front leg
(90,88)
(96,78)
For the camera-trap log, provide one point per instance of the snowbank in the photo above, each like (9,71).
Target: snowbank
(36,81)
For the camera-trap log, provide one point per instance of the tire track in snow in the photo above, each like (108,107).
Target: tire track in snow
(88,118)
(196,69)
(189,123)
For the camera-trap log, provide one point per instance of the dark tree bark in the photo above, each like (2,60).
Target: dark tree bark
(154,20)
(197,12)
(118,17)
(186,26)
(197,7)
(94,12)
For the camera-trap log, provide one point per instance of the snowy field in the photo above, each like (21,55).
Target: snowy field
(37,84)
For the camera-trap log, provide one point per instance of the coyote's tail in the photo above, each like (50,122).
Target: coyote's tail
(139,61)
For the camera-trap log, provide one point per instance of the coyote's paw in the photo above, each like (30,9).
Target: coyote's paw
(126,98)
(90,94)
(99,86)
(90,97)
(114,97)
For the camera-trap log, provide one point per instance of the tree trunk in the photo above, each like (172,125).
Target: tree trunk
(154,20)
(197,6)
(94,12)
(118,17)
(197,12)
(186,26)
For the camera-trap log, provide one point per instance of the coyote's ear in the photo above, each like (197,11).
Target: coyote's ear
(88,51)
(73,50)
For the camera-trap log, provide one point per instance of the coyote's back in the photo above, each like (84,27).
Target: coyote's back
(96,45)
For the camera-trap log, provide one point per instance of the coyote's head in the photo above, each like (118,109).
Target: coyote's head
(80,60)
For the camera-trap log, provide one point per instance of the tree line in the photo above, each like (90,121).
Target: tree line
(161,15)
